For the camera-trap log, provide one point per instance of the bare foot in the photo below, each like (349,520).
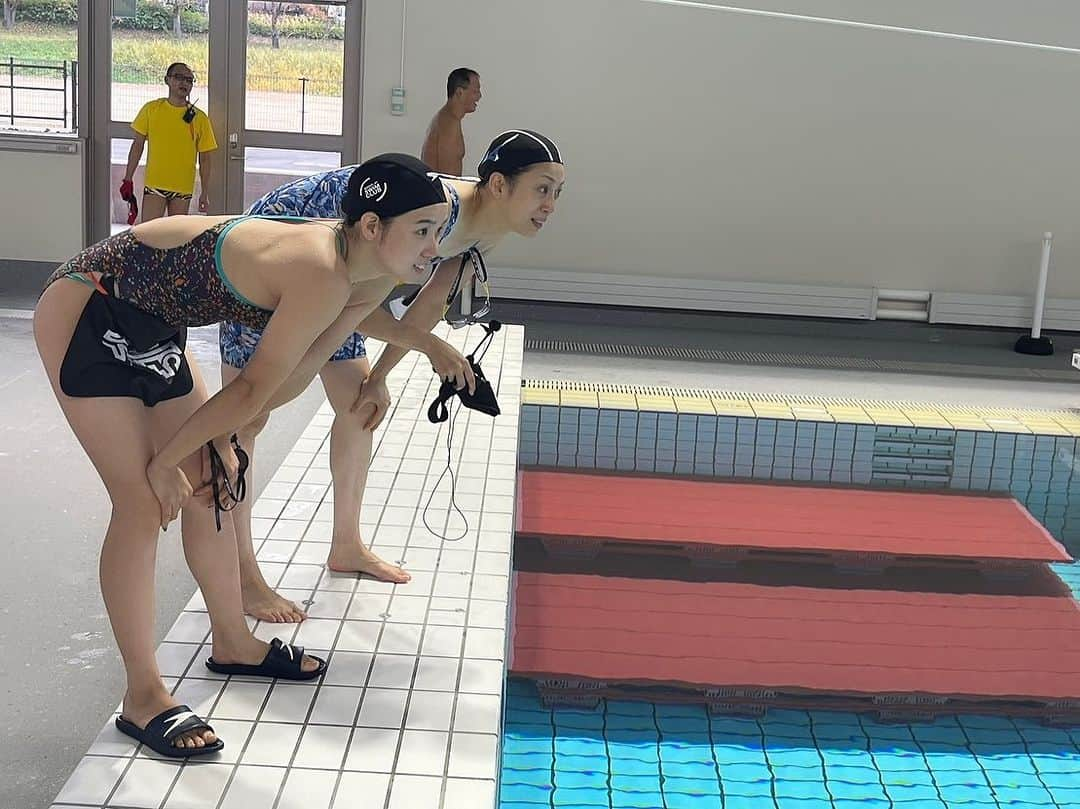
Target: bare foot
(263,603)
(139,711)
(251,652)
(355,558)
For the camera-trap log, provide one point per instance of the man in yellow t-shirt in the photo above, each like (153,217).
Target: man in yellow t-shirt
(179,134)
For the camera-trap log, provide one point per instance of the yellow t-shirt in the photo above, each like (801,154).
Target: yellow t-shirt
(173,144)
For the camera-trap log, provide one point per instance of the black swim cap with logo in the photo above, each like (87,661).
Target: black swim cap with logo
(390,185)
(515,149)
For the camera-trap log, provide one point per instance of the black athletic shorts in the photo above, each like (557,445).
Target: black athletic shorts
(120,350)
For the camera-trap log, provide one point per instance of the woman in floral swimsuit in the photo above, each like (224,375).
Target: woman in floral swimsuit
(110,329)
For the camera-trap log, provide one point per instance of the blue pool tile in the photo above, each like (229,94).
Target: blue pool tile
(834,757)
(808,758)
(616,722)
(735,728)
(967,793)
(516,793)
(688,739)
(527,718)
(580,798)
(747,772)
(675,800)
(579,747)
(904,793)
(540,779)
(958,778)
(906,776)
(746,789)
(581,779)
(622,782)
(1059,781)
(868,802)
(633,768)
(569,722)
(800,803)
(691,783)
(1023,796)
(903,762)
(852,775)
(636,800)
(585,764)
(1012,772)
(1065,795)
(856,791)
(805,790)
(1051,766)
(625,708)
(797,774)
(699,768)
(787,732)
(517,745)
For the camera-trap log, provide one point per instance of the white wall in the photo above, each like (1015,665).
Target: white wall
(42,216)
(1049,22)
(713,144)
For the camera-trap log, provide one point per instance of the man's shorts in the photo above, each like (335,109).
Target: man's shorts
(238,342)
(161,192)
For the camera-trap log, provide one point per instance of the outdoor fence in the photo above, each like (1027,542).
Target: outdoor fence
(38,94)
(41,95)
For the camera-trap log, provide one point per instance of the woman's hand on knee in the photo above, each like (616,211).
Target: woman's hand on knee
(171,487)
(375,398)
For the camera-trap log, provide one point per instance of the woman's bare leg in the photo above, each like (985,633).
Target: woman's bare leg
(117,436)
(260,600)
(350,457)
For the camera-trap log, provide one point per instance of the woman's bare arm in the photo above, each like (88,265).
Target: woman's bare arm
(424,313)
(306,314)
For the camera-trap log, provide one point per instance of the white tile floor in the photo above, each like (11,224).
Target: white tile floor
(410,712)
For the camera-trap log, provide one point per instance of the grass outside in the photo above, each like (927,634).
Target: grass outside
(141,56)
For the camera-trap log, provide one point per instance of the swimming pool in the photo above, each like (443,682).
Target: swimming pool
(631,755)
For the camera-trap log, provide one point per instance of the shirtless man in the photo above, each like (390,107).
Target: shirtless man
(444,144)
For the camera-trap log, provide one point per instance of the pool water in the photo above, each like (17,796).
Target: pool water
(637,755)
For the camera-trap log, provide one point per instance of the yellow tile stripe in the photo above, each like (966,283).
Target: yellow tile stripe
(813,408)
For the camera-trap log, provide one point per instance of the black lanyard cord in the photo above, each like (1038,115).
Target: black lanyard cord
(219,480)
(451,411)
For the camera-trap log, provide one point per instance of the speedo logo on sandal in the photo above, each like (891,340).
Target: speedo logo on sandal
(173,721)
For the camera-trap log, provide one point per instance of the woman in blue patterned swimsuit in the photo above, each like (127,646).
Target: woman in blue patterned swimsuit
(521,177)
(110,328)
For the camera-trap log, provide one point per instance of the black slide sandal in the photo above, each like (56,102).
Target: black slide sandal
(282,662)
(161,731)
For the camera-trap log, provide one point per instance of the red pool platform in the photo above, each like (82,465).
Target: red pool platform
(583,514)
(740,646)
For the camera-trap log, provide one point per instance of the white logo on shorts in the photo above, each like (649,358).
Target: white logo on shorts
(164,359)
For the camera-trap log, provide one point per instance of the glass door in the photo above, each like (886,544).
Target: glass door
(293,94)
(143,47)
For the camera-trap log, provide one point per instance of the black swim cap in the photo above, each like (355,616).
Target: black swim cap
(515,149)
(390,185)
